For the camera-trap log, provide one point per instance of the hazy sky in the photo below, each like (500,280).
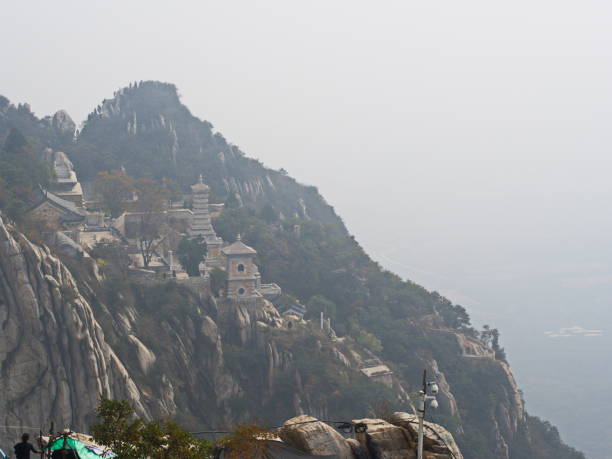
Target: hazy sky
(475,135)
(410,101)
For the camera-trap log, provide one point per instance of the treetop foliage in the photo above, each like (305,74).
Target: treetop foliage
(21,171)
(131,437)
(246,442)
(191,251)
(115,189)
(15,142)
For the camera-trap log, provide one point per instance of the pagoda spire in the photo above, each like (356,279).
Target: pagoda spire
(201,224)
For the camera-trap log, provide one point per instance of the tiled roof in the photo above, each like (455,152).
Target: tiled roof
(238,248)
(73,213)
(200,186)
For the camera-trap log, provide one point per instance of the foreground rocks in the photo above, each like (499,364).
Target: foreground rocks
(381,440)
(310,436)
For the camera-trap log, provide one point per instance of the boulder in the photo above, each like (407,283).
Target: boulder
(385,441)
(359,451)
(311,436)
(436,439)
(62,122)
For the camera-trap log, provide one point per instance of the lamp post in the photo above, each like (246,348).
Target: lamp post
(423,400)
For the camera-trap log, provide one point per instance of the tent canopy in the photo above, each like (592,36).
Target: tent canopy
(84,450)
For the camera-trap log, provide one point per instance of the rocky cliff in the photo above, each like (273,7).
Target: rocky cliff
(55,359)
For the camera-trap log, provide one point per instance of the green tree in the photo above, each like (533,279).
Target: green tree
(118,428)
(21,170)
(153,228)
(486,335)
(113,259)
(131,437)
(15,142)
(191,251)
(268,214)
(232,202)
(218,279)
(115,188)
(365,338)
(319,304)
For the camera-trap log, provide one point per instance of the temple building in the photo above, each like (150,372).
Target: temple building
(243,278)
(58,213)
(201,224)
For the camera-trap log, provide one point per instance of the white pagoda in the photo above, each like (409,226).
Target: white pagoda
(201,224)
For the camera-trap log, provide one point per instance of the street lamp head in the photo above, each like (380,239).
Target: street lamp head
(434,388)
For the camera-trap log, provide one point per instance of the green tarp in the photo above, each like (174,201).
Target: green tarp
(84,450)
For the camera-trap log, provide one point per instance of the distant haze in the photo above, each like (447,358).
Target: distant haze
(473,135)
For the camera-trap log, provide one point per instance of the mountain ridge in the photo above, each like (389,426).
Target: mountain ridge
(143,123)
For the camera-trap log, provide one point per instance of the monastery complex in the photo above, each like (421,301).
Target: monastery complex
(76,228)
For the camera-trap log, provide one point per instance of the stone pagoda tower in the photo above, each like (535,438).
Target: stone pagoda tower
(242,273)
(243,277)
(201,224)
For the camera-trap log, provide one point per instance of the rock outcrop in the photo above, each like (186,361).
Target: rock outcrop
(63,123)
(307,434)
(55,359)
(436,437)
(375,438)
(385,440)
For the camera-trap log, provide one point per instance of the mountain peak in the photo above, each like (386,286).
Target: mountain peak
(144,99)
(150,88)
